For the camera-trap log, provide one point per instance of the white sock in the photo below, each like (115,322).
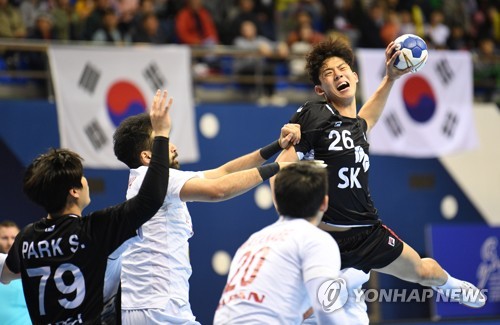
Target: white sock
(451,283)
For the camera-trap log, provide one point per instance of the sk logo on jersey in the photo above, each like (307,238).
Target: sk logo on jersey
(337,124)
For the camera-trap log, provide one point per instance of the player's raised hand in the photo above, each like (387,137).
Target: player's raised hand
(290,135)
(160,114)
(391,55)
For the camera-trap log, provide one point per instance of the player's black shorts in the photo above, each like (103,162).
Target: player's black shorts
(366,248)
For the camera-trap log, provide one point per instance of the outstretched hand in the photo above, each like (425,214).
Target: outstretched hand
(290,135)
(160,114)
(391,55)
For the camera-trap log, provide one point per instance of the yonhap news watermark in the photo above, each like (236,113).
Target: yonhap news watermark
(333,295)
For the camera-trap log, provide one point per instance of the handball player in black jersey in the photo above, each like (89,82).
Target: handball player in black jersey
(62,258)
(333,131)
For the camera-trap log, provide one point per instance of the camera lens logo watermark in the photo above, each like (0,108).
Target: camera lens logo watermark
(333,294)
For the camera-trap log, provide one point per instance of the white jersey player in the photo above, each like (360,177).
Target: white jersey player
(275,275)
(156,270)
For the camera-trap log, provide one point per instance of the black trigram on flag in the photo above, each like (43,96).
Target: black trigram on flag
(96,134)
(450,124)
(394,125)
(89,78)
(154,76)
(444,71)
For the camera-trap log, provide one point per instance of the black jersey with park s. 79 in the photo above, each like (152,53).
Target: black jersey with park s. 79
(63,261)
(342,144)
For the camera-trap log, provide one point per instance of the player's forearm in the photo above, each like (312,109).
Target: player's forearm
(234,184)
(374,106)
(247,161)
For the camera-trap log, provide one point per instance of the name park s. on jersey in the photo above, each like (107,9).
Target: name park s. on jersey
(342,144)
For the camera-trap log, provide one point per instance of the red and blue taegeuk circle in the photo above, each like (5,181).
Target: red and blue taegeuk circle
(124,99)
(419,99)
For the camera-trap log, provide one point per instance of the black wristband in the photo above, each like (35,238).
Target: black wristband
(269,170)
(270,150)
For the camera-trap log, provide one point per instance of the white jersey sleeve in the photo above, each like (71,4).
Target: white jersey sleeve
(320,257)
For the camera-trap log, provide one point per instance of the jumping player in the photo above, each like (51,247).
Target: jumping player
(275,275)
(333,131)
(155,271)
(62,258)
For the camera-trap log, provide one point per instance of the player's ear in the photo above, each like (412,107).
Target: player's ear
(73,192)
(318,90)
(356,75)
(145,157)
(324,205)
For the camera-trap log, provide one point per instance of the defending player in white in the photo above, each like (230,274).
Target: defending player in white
(275,275)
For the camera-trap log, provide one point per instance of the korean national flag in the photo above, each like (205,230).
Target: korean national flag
(97,87)
(428,113)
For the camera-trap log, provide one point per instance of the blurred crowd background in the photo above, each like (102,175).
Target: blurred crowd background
(278,30)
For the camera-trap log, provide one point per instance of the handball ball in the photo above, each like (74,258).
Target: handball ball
(413,52)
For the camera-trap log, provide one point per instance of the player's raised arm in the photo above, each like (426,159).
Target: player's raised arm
(373,107)
(289,136)
(154,188)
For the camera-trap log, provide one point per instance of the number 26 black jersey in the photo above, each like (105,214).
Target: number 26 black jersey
(342,144)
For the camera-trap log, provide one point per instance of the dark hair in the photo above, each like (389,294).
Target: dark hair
(50,176)
(8,224)
(324,50)
(299,190)
(131,137)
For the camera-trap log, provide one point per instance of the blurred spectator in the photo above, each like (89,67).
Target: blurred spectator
(347,15)
(67,23)
(30,9)
(243,12)
(249,41)
(150,31)
(11,22)
(486,60)
(220,10)
(109,32)
(95,19)
(436,31)
(406,23)
(289,12)
(458,39)
(13,310)
(300,42)
(391,28)
(43,28)
(195,26)
(370,27)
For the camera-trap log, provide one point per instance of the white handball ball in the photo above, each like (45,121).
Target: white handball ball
(414,52)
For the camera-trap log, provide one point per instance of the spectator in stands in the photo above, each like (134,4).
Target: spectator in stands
(243,12)
(406,23)
(13,310)
(487,70)
(95,20)
(437,32)
(195,26)
(370,27)
(150,31)
(391,28)
(458,39)
(11,23)
(250,41)
(67,22)
(109,32)
(300,41)
(30,10)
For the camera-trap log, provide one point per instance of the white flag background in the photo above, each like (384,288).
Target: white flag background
(97,87)
(428,113)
